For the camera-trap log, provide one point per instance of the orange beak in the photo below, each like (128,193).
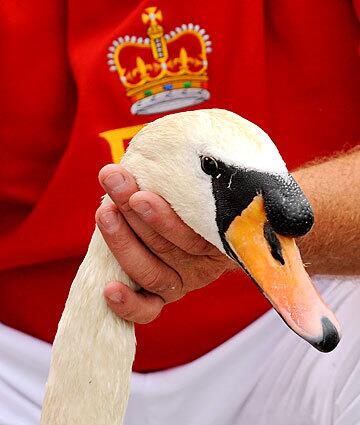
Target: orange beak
(274,263)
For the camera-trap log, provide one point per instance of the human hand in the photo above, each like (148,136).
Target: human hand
(156,249)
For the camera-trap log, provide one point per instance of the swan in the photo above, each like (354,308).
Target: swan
(226,179)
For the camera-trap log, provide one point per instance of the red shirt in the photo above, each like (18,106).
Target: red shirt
(291,67)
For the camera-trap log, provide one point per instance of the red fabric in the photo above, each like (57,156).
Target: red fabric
(292,67)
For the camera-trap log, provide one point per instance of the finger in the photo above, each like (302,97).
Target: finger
(118,183)
(160,246)
(132,306)
(158,214)
(141,265)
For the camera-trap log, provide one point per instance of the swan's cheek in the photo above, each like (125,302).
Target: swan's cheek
(274,263)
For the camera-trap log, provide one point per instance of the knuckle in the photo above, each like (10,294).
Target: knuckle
(149,277)
(160,245)
(196,245)
(165,248)
(121,242)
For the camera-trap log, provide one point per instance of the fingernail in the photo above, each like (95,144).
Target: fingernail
(115,182)
(116,297)
(110,221)
(142,208)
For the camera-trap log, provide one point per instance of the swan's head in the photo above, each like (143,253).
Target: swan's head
(226,179)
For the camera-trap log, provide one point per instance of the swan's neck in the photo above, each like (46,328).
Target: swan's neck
(93,350)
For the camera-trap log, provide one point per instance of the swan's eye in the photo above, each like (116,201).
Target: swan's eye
(209,166)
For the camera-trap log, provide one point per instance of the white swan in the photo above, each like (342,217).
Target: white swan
(225,178)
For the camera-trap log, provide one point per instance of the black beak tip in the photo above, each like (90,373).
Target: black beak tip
(330,337)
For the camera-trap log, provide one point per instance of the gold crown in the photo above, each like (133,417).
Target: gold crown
(162,72)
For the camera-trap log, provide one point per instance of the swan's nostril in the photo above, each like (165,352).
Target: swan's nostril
(274,243)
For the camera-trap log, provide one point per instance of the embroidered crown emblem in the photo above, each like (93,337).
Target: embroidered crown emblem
(162,72)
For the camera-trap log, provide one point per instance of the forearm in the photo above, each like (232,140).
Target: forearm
(333,188)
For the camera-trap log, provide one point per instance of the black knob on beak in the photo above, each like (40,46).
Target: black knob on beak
(286,207)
